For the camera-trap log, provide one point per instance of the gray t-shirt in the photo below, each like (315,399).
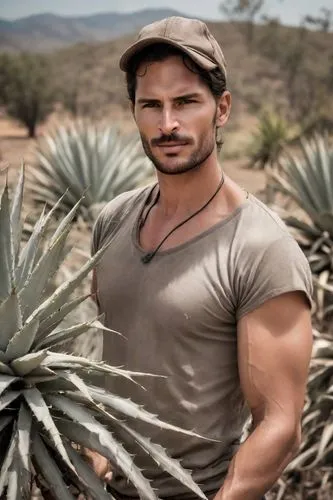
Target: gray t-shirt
(179,315)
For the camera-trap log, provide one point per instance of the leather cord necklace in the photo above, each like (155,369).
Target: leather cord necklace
(147,257)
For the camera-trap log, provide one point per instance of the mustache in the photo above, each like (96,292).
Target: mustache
(164,139)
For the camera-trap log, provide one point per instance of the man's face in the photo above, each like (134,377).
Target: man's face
(176,115)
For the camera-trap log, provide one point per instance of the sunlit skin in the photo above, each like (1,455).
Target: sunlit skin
(177,116)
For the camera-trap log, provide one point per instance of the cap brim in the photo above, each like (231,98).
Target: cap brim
(201,60)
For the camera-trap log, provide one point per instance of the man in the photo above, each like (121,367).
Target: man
(204,281)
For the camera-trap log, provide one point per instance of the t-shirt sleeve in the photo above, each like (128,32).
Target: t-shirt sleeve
(282,267)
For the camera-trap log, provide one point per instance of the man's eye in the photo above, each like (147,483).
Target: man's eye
(186,101)
(150,105)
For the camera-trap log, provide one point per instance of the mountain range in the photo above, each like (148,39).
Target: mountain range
(45,32)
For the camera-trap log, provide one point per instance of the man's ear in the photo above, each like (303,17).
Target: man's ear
(223,109)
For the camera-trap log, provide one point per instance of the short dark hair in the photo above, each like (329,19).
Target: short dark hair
(214,79)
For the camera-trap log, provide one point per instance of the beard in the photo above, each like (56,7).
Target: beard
(196,158)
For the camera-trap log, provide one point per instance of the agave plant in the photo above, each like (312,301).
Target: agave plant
(308,181)
(268,142)
(314,460)
(87,158)
(47,406)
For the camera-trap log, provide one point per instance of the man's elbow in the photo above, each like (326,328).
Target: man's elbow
(296,441)
(290,439)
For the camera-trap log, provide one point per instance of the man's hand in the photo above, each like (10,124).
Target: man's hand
(99,464)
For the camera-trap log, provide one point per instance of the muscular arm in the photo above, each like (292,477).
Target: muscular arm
(274,350)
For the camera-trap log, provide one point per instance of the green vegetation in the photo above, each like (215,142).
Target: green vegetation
(308,181)
(273,134)
(86,158)
(311,470)
(46,404)
(26,88)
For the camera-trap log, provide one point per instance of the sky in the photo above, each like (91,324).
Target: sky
(289,11)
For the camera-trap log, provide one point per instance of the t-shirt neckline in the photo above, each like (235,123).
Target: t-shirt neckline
(160,253)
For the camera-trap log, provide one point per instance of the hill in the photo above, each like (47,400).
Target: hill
(46,32)
(287,68)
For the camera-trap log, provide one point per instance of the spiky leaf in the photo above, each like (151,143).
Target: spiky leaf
(49,469)
(10,319)
(118,454)
(6,255)
(39,408)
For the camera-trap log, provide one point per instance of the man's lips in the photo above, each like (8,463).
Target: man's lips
(171,144)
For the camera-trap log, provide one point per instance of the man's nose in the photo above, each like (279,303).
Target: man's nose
(169,122)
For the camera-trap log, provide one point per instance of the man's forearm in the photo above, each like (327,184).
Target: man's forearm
(259,461)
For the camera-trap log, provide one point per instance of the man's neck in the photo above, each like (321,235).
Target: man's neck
(185,193)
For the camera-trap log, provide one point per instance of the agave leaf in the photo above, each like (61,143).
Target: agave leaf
(131,409)
(42,371)
(47,265)
(322,280)
(61,336)
(7,462)
(56,385)
(326,438)
(118,454)
(94,486)
(325,286)
(70,333)
(61,294)
(22,341)
(10,319)
(38,379)
(302,458)
(50,323)
(49,469)
(28,255)
(4,421)
(310,417)
(30,252)
(57,360)
(6,255)
(161,457)
(18,476)
(65,225)
(24,423)
(39,408)
(15,215)
(13,489)
(77,382)
(96,323)
(5,381)
(8,398)
(26,364)
(5,369)
(84,156)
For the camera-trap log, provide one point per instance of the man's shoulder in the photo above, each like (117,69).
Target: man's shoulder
(122,203)
(114,212)
(261,226)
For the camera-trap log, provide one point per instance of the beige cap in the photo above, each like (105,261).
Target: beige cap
(189,35)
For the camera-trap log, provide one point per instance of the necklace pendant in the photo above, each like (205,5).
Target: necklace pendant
(147,257)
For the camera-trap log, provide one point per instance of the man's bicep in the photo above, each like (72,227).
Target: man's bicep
(274,350)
